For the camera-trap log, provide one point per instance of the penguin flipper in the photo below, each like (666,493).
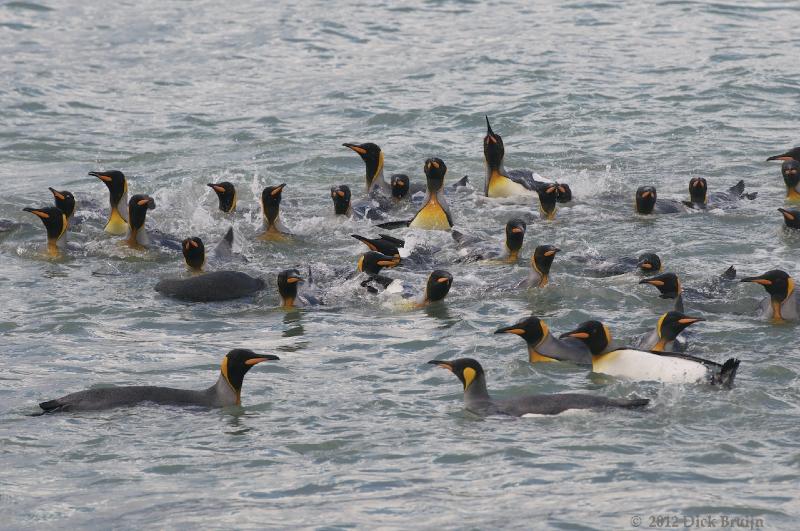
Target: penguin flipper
(397,242)
(526,179)
(392,225)
(52,406)
(224,248)
(464,181)
(737,189)
(729,274)
(726,374)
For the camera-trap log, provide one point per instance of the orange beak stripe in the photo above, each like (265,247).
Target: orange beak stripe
(579,335)
(253,361)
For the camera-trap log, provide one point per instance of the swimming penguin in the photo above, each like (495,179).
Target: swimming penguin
(544,346)
(541,261)
(118,196)
(55,222)
(790,170)
(791,218)
(372,155)
(478,401)
(226,193)
(434,214)
(340,195)
(499,182)
(792,154)
(385,244)
(700,198)
(65,201)
(194,251)
(401,185)
(138,206)
(669,286)
(476,250)
(646,202)
(666,335)
(548,196)
(288,281)
(227,391)
(372,263)
(270,204)
(436,288)
(783,304)
(210,287)
(600,267)
(667,367)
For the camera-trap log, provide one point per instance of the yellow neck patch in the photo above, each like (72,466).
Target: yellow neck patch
(535,357)
(792,194)
(224,370)
(469,375)
(502,186)
(431,216)
(661,346)
(116,223)
(660,323)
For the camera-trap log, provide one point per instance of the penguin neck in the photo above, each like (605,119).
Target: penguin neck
(227,203)
(494,173)
(534,350)
(226,394)
(512,254)
(477,392)
(287,302)
(778,304)
(375,180)
(537,278)
(793,193)
(548,211)
(137,237)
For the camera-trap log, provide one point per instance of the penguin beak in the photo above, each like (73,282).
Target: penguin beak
(217,188)
(517,230)
(358,149)
(551,252)
(278,189)
(513,329)
(647,194)
(757,280)
(690,320)
(653,282)
(265,357)
(785,156)
(490,137)
(576,335)
(149,202)
(645,265)
(788,215)
(442,280)
(443,364)
(56,194)
(294,280)
(43,215)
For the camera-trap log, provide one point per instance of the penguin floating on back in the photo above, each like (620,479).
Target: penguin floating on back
(634,364)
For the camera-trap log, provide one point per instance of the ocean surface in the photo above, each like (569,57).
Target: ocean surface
(352,428)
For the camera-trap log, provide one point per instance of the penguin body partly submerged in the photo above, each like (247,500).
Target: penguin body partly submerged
(544,346)
(666,336)
(226,193)
(700,198)
(225,392)
(783,303)
(478,401)
(634,364)
(791,218)
(270,205)
(209,287)
(194,251)
(541,260)
(473,250)
(790,170)
(647,202)
(117,186)
(56,224)
(600,267)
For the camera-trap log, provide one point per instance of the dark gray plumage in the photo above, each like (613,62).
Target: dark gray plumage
(214,286)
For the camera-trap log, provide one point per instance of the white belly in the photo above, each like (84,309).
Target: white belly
(640,365)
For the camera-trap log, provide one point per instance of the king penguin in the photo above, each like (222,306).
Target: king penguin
(665,337)
(783,303)
(55,222)
(118,196)
(699,198)
(666,367)
(541,261)
(473,250)
(790,170)
(669,286)
(270,205)
(227,391)
(65,201)
(791,218)
(544,347)
(646,202)
(434,214)
(478,401)
(226,193)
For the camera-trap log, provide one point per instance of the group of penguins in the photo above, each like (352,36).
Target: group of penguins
(657,356)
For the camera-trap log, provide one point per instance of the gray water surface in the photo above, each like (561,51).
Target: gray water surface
(352,428)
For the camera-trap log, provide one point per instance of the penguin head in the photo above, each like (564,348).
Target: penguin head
(438,285)
(778,284)
(594,334)
(515,234)
(673,323)
(548,196)
(532,330)
(467,369)
(384,245)
(138,206)
(564,193)
(645,199)
(271,202)
(64,200)
(400,185)
(115,182)
(55,222)
(493,150)
(790,170)
(667,283)
(287,285)
(194,253)
(435,171)
(341,199)
(542,259)
(226,193)
(372,262)
(791,217)
(792,154)
(698,188)
(649,263)
(372,156)
(235,365)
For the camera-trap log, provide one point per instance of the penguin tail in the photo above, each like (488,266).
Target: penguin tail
(464,181)
(391,225)
(727,373)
